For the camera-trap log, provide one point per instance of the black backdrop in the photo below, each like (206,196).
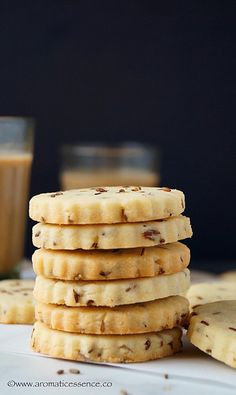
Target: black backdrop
(158,72)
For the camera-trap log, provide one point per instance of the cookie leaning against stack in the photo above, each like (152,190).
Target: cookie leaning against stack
(110,272)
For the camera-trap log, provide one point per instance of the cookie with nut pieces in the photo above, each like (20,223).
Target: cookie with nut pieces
(129,235)
(111,264)
(203,293)
(107,205)
(105,348)
(135,318)
(110,293)
(213,330)
(16,301)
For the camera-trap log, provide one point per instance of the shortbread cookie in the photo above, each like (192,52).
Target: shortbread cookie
(105,348)
(138,318)
(229,276)
(107,205)
(16,302)
(111,264)
(110,293)
(213,329)
(140,234)
(203,293)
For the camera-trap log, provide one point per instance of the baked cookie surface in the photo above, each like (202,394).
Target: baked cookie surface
(16,302)
(107,205)
(129,235)
(138,318)
(105,348)
(213,330)
(110,293)
(111,264)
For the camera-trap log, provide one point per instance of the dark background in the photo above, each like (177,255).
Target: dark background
(158,72)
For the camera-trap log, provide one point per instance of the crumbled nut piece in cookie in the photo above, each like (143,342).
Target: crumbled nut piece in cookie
(100,190)
(37,234)
(76,296)
(90,302)
(147,344)
(133,286)
(104,274)
(150,234)
(125,347)
(166,189)
(53,195)
(204,323)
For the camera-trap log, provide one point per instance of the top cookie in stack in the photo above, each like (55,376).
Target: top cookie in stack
(94,242)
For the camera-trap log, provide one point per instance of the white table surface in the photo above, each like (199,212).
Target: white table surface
(23,371)
(190,371)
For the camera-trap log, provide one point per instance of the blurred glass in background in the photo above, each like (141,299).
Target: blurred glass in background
(90,165)
(16,145)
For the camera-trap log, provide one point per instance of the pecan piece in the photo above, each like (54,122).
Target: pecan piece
(150,234)
(147,344)
(76,296)
(53,195)
(90,302)
(166,189)
(204,323)
(104,274)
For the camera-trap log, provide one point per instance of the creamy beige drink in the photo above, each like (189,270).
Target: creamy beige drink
(72,179)
(14,184)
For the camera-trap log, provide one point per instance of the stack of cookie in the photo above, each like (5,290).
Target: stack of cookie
(110,272)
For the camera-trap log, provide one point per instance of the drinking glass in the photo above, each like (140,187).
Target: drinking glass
(16,145)
(89,165)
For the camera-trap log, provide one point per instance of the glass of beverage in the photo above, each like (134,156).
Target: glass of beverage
(16,144)
(89,165)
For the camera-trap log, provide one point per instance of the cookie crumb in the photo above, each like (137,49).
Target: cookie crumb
(166,376)
(74,371)
(60,371)
(123,392)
